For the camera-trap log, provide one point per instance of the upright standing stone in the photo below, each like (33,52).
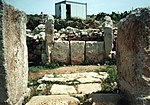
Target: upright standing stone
(77,52)
(108,35)
(133,56)
(13,55)
(60,52)
(49,32)
(94,51)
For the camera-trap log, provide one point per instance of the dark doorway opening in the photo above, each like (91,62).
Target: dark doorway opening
(68,12)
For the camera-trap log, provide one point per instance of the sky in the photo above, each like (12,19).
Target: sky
(93,6)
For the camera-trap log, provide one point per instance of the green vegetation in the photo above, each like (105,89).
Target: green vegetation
(112,71)
(87,62)
(109,85)
(35,69)
(35,20)
(116,17)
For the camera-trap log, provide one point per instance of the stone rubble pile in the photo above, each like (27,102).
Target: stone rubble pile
(71,33)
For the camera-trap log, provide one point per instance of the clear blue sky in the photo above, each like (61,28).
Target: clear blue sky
(94,6)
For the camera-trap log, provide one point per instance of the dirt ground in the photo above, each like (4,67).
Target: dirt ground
(65,70)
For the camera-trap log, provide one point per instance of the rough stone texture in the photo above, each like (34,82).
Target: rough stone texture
(13,55)
(35,50)
(41,87)
(89,88)
(108,35)
(75,78)
(105,99)
(133,55)
(60,52)
(53,100)
(77,52)
(49,32)
(94,51)
(63,89)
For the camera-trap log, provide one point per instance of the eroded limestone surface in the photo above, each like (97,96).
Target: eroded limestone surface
(13,55)
(53,100)
(133,55)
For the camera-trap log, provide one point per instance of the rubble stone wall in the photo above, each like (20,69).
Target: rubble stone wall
(36,46)
(133,56)
(13,55)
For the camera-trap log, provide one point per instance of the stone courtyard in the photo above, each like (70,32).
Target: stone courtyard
(81,88)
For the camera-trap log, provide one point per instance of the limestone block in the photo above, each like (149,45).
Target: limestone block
(48,79)
(75,78)
(63,89)
(88,80)
(13,60)
(108,35)
(49,35)
(108,40)
(94,51)
(77,52)
(89,88)
(133,54)
(53,100)
(49,29)
(60,52)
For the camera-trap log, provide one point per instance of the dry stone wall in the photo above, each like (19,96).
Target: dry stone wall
(133,56)
(36,47)
(13,55)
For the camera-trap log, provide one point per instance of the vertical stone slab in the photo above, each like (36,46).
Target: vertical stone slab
(49,32)
(13,55)
(77,52)
(133,56)
(3,86)
(60,52)
(94,51)
(108,35)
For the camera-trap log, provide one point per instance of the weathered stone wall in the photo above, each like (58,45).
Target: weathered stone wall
(133,56)
(76,52)
(95,51)
(60,52)
(13,55)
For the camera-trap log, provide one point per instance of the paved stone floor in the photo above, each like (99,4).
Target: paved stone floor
(75,87)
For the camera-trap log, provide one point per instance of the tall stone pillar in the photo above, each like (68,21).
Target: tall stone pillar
(13,55)
(108,35)
(49,32)
(133,57)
